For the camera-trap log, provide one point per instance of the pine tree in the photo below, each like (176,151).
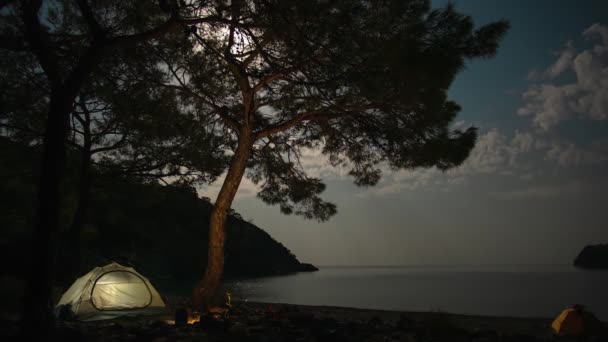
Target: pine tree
(364,81)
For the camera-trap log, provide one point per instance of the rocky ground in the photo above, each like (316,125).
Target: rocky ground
(283,322)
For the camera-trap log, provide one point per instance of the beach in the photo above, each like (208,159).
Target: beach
(254,321)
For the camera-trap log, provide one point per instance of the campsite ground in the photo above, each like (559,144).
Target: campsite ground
(283,322)
(251,321)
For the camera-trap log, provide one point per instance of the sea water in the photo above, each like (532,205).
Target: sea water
(514,290)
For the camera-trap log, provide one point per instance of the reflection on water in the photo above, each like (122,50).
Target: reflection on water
(524,291)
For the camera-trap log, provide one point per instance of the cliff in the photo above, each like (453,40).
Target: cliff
(593,256)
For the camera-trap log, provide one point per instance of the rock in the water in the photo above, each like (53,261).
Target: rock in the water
(593,256)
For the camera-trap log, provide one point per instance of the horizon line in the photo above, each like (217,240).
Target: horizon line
(440,265)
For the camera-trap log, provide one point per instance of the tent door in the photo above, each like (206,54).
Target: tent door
(120,290)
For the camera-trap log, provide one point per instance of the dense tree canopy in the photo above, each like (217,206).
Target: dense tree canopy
(365,81)
(120,120)
(66,41)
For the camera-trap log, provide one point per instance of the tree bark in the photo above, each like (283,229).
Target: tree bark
(74,261)
(208,285)
(38,306)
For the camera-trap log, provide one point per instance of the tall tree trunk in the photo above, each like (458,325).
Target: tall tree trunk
(74,254)
(208,285)
(37,310)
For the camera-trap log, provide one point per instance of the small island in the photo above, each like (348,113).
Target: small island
(593,257)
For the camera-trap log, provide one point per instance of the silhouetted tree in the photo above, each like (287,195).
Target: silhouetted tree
(125,127)
(68,39)
(364,81)
(136,131)
(122,124)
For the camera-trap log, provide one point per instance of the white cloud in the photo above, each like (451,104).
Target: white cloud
(523,141)
(316,164)
(571,155)
(313,161)
(491,153)
(603,33)
(459,124)
(246,189)
(406,180)
(551,103)
(495,152)
(519,156)
(563,62)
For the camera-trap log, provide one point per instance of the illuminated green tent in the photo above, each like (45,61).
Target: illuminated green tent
(108,292)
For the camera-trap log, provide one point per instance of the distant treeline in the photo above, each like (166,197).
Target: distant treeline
(156,228)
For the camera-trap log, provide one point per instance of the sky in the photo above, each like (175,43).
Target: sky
(534,189)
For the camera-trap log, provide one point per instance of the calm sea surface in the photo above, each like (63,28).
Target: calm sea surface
(522,291)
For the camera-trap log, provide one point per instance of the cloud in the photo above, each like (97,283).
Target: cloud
(523,141)
(246,189)
(494,154)
(571,155)
(602,31)
(552,102)
(491,153)
(541,192)
(563,62)
(406,180)
(459,124)
(316,164)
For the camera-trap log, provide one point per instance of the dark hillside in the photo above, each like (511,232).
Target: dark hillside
(161,230)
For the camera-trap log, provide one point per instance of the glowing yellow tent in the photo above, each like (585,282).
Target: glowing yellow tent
(569,322)
(108,292)
(576,321)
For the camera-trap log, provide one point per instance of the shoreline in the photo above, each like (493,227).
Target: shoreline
(521,325)
(261,321)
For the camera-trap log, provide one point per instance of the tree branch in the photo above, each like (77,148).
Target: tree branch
(111,147)
(234,66)
(288,124)
(76,115)
(321,113)
(221,111)
(89,17)
(19,128)
(171,24)
(277,76)
(156,32)
(259,46)
(36,37)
